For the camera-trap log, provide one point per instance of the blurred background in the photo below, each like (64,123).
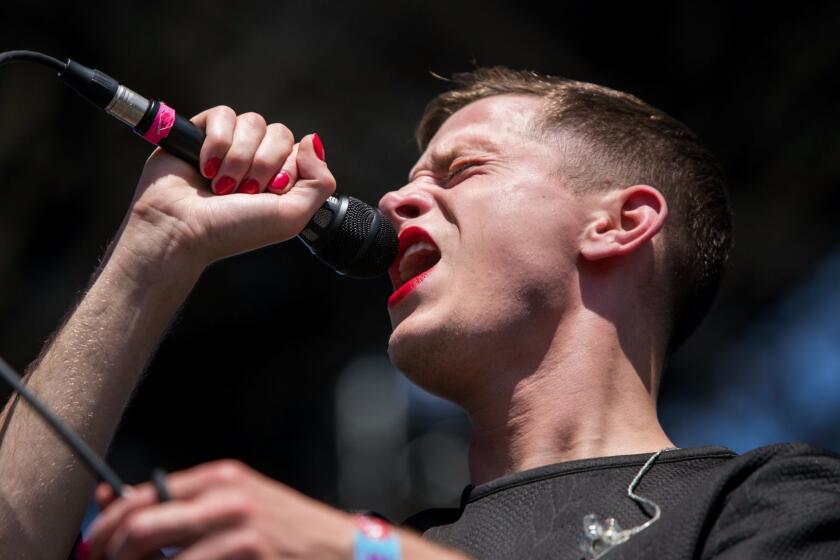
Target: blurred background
(279,362)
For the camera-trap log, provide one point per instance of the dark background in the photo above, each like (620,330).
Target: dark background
(281,363)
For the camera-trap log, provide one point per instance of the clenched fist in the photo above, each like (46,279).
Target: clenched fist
(257,187)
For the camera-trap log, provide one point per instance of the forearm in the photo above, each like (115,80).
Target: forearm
(86,375)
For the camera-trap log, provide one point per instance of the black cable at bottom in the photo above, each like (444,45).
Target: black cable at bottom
(77,444)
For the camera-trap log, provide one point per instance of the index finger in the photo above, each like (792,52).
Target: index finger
(106,523)
(218,124)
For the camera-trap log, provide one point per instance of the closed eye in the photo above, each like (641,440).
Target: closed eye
(455,172)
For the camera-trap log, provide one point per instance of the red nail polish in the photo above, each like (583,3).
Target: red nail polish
(212,167)
(249,186)
(225,185)
(319,147)
(280,181)
(82,550)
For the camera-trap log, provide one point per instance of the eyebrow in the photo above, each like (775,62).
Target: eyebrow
(441,158)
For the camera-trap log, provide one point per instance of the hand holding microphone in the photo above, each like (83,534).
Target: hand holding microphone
(263,189)
(348,235)
(179,220)
(345,233)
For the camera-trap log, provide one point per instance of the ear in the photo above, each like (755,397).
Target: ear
(625,221)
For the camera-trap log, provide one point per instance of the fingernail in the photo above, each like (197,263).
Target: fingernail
(83,550)
(280,181)
(212,167)
(249,186)
(225,185)
(319,147)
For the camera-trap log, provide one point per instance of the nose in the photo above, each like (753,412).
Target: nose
(405,204)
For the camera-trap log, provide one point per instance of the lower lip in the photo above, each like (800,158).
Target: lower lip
(402,292)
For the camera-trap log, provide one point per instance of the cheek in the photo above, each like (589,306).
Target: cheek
(518,250)
(508,284)
(517,243)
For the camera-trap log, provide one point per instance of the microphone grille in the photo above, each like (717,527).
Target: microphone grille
(364,244)
(382,252)
(351,234)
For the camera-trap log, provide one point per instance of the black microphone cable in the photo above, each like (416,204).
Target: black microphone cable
(73,441)
(76,444)
(31,56)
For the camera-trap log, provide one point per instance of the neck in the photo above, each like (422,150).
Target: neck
(585,398)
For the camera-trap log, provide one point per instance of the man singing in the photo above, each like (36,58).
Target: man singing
(558,240)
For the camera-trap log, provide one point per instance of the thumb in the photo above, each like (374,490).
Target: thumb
(280,214)
(314,179)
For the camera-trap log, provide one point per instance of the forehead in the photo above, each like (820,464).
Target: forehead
(493,124)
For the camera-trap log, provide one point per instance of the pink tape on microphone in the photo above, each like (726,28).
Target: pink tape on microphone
(162,125)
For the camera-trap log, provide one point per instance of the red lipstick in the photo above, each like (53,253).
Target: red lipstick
(408,237)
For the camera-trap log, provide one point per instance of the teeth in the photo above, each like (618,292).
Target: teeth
(419,247)
(410,267)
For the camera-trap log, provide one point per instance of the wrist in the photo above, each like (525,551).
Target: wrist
(375,539)
(153,248)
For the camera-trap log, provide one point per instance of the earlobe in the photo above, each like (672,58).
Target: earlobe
(627,220)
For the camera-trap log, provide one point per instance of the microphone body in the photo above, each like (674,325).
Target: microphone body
(348,235)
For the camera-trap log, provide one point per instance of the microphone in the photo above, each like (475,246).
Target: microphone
(351,237)
(348,235)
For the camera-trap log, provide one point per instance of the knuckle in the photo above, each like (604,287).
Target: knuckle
(223,111)
(137,530)
(283,132)
(236,159)
(229,470)
(237,506)
(252,119)
(217,135)
(249,543)
(264,166)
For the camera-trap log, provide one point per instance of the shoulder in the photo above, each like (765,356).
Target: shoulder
(787,468)
(780,501)
(781,451)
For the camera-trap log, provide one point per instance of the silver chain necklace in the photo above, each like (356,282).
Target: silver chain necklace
(602,535)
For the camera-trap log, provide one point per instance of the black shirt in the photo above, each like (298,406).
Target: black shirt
(780,501)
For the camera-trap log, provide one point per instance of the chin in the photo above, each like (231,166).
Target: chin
(436,355)
(416,351)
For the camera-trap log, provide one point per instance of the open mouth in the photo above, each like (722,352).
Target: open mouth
(418,254)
